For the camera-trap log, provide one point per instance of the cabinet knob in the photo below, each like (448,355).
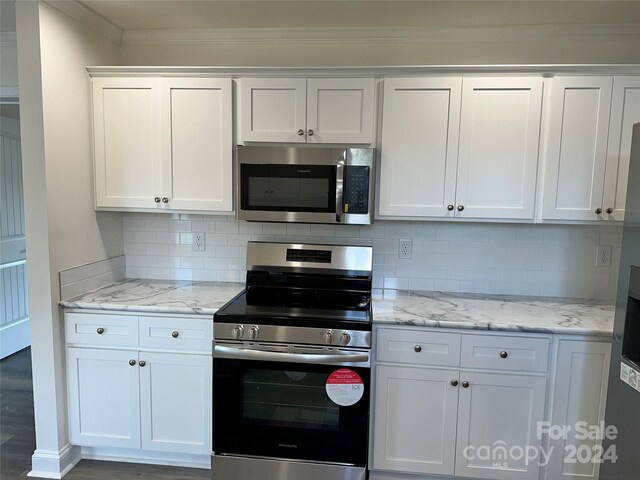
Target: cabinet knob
(132,362)
(598,211)
(156,199)
(609,210)
(175,334)
(310,132)
(100,330)
(465,384)
(417,348)
(142,363)
(450,208)
(454,382)
(300,132)
(460,208)
(503,354)
(165,200)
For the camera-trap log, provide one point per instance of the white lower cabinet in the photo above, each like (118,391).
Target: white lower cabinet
(139,398)
(471,404)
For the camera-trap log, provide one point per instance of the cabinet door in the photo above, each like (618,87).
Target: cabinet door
(421,120)
(104,397)
(415,420)
(197,144)
(625,111)
(126,122)
(175,401)
(498,410)
(576,147)
(499,139)
(579,395)
(273,110)
(340,110)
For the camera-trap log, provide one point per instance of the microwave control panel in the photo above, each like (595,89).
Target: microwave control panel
(356,190)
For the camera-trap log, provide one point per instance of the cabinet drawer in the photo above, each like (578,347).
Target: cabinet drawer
(505,353)
(102,329)
(418,347)
(177,333)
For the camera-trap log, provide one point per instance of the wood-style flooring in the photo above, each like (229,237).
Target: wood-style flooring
(17,435)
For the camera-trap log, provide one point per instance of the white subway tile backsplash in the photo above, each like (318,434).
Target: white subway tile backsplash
(548,260)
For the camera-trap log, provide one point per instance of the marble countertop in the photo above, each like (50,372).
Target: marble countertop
(494,312)
(427,309)
(161,296)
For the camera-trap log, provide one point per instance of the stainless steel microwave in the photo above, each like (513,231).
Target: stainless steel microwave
(305,184)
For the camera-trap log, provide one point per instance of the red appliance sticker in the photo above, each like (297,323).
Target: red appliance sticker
(345,387)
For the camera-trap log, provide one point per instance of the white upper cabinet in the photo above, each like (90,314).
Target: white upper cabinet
(127,126)
(625,111)
(163,143)
(420,125)
(498,153)
(454,148)
(197,144)
(576,147)
(299,110)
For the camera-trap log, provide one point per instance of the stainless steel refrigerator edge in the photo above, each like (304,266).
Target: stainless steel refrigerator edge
(623,402)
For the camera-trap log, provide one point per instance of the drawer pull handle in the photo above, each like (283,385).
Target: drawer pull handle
(142,363)
(465,384)
(454,382)
(417,348)
(100,330)
(175,334)
(132,362)
(503,354)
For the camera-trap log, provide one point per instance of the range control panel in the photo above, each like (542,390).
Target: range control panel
(356,189)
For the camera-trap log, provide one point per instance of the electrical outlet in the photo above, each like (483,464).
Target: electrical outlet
(198,242)
(603,258)
(405,248)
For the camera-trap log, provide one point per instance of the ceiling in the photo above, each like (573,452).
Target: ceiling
(188,14)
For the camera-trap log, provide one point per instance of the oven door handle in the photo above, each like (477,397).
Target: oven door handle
(221,351)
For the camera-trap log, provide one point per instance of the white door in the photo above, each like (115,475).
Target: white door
(498,410)
(197,146)
(104,397)
(127,128)
(175,401)
(579,395)
(498,153)
(421,121)
(340,110)
(14,308)
(415,420)
(576,147)
(273,110)
(625,111)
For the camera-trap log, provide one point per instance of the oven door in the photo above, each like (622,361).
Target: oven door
(273,402)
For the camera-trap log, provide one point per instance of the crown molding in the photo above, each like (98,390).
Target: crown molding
(507,33)
(83,14)
(372,71)
(8,39)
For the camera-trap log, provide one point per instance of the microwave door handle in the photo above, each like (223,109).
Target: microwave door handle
(220,351)
(339,191)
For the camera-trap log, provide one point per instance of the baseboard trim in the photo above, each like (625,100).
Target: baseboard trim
(52,464)
(15,336)
(147,457)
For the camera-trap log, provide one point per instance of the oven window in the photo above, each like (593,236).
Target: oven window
(288,399)
(289,188)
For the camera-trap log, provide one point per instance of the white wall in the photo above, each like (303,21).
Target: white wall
(62,229)
(545,260)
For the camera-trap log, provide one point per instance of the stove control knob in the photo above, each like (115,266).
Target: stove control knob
(328,337)
(345,338)
(237,331)
(254,332)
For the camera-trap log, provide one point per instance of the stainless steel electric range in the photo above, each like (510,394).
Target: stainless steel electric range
(291,366)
